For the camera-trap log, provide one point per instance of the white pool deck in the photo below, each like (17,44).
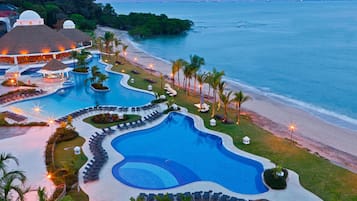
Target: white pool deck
(29,149)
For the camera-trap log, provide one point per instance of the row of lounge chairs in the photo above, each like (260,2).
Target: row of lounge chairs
(20,95)
(153,116)
(105,108)
(91,172)
(195,196)
(149,118)
(14,116)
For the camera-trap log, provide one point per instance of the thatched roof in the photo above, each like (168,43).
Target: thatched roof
(34,39)
(54,65)
(75,35)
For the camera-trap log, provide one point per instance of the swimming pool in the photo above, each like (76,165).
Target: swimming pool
(175,153)
(80,96)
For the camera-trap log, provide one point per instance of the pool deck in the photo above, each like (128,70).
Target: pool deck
(29,149)
(115,190)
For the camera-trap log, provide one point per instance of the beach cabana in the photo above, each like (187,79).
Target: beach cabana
(55,69)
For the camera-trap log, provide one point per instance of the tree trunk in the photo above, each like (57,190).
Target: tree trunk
(214,103)
(225,113)
(238,114)
(178,78)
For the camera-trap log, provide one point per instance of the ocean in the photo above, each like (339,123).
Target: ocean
(301,53)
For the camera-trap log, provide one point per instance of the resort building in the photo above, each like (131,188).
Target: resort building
(31,41)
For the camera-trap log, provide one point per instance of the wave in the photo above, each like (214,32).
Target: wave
(326,115)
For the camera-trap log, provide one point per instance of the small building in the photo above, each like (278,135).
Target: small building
(55,70)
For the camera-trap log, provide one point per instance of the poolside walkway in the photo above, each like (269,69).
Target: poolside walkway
(29,146)
(115,190)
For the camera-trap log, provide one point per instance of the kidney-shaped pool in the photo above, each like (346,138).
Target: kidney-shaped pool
(175,153)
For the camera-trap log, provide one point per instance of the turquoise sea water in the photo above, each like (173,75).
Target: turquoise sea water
(302,53)
(175,153)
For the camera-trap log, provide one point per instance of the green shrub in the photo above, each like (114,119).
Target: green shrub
(81,70)
(273,180)
(159,100)
(99,86)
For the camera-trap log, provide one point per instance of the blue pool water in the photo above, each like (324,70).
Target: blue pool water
(80,96)
(175,153)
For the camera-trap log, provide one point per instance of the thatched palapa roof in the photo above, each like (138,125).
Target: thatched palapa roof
(34,39)
(75,35)
(54,65)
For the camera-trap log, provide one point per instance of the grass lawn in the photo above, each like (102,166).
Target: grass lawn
(131,117)
(317,174)
(64,157)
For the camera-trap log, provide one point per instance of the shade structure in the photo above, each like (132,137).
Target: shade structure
(35,39)
(54,65)
(55,69)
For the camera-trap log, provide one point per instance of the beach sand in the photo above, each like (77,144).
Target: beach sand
(332,142)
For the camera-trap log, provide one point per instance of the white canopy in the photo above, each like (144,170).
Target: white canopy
(204,108)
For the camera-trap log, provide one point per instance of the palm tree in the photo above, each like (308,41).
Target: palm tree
(11,182)
(188,73)
(117,53)
(239,99)
(4,158)
(74,55)
(214,81)
(221,87)
(196,62)
(41,193)
(124,47)
(108,39)
(82,56)
(225,100)
(101,78)
(181,63)
(201,78)
(99,43)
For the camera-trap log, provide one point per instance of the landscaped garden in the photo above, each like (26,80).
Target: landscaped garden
(320,176)
(107,120)
(62,164)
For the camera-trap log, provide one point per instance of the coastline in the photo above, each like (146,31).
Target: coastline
(334,143)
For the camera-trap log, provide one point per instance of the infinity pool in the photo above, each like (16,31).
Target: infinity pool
(80,96)
(175,153)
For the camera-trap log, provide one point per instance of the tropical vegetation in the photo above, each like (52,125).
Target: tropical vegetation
(87,14)
(81,66)
(276,177)
(12,182)
(63,166)
(97,79)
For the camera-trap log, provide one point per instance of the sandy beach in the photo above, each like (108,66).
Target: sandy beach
(332,142)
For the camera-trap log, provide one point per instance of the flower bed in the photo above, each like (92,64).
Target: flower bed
(107,118)
(99,86)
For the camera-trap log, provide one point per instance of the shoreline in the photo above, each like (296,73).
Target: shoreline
(322,138)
